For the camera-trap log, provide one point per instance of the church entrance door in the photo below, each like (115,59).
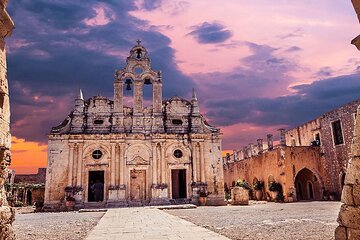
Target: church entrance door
(178,183)
(96,186)
(137,185)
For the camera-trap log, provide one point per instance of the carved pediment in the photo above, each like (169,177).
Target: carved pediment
(138,161)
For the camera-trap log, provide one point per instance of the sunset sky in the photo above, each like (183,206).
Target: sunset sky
(256,65)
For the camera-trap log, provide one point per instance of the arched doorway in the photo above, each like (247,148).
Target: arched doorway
(28,198)
(307,185)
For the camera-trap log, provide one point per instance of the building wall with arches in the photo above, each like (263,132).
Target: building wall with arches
(322,145)
(282,165)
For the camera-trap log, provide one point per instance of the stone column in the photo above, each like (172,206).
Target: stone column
(71,164)
(270,141)
(260,145)
(117,163)
(154,164)
(159,163)
(194,162)
(138,96)
(7,214)
(79,165)
(163,164)
(122,163)
(112,164)
(198,162)
(349,216)
(202,162)
(157,97)
(282,137)
(118,94)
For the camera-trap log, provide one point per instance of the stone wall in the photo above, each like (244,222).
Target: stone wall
(6,213)
(39,177)
(335,157)
(349,215)
(282,164)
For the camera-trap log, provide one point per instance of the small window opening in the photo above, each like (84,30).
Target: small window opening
(98,122)
(337,132)
(178,153)
(177,122)
(97,154)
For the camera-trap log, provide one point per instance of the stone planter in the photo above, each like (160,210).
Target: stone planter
(274,195)
(202,201)
(239,196)
(259,195)
(70,205)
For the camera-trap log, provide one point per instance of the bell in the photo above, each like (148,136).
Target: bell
(128,84)
(147,81)
(138,53)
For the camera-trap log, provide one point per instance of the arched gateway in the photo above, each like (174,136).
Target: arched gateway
(308,185)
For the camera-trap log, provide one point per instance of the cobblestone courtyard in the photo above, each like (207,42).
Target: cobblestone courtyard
(304,220)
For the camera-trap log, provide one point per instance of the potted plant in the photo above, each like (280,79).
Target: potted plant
(277,193)
(202,196)
(39,205)
(240,193)
(258,187)
(69,203)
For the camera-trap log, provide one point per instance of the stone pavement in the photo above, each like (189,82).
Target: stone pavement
(147,223)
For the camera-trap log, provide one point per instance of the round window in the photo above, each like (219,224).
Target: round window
(178,153)
(97,154)
(138,70)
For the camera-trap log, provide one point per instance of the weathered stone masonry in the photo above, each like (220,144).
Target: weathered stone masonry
(6,213)
(349,215)
(310,161)
(142,155)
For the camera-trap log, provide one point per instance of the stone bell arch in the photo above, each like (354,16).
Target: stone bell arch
(136,74)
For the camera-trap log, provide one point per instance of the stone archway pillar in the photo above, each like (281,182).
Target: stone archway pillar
(7,214)
(349,215)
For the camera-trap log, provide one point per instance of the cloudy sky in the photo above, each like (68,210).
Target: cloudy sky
(256,66)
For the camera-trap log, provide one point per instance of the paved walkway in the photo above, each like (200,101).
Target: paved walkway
(147,223)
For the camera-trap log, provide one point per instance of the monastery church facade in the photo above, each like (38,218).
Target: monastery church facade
(136,155)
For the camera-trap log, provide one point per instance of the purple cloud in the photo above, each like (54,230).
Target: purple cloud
(210,33)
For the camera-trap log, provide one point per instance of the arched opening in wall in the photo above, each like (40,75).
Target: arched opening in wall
(307,185)
(128,92)
(147,92)
(311,191)
(28,198)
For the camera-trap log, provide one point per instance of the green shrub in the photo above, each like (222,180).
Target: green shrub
(243,184)
(18,204)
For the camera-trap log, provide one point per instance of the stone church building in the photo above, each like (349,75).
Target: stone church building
(160,154)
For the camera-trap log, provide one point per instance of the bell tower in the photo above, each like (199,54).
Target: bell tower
(136,74)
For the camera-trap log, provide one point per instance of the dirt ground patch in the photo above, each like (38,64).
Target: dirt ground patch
(59,225)
(291,221)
